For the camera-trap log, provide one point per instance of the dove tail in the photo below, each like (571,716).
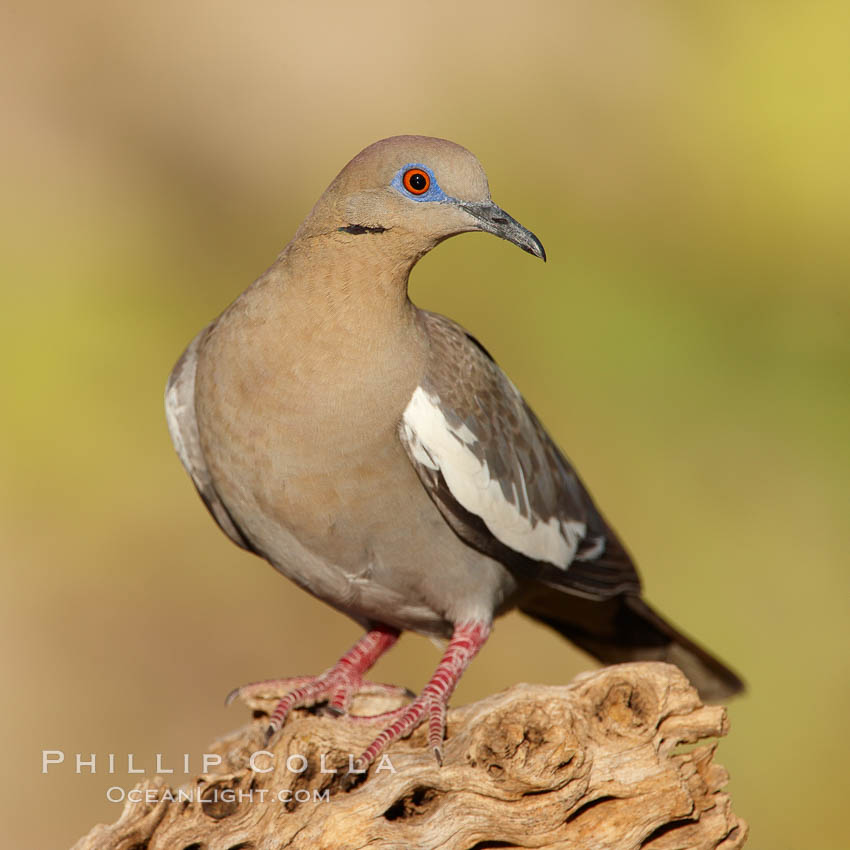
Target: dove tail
(625,628)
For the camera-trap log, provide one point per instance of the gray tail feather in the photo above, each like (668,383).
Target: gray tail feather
(624,628)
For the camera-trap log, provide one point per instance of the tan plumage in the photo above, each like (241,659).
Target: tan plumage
(377,456)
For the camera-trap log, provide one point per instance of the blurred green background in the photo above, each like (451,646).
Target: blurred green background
(688,344)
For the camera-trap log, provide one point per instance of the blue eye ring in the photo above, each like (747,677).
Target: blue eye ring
(417,182)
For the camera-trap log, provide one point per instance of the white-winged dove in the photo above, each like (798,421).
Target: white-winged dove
(376,455)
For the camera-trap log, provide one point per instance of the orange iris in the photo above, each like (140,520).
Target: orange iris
(416,181)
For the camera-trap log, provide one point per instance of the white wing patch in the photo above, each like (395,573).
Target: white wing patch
(179,410)
(173,411)
(183,427)
(437,445)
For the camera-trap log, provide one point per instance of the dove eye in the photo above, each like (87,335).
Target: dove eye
(416,181)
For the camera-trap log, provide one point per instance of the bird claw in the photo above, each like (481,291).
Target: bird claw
(430,706)
(342,682)
(337,688)
(401,721)
(266,689)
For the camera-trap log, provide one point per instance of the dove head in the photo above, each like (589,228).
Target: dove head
(412,192)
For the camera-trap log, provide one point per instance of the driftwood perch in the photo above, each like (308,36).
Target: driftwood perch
(596,764)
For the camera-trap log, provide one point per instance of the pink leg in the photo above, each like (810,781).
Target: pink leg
(338,685)
(467,640)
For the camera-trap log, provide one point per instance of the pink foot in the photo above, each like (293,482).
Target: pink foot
(338,685)
(467,640)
